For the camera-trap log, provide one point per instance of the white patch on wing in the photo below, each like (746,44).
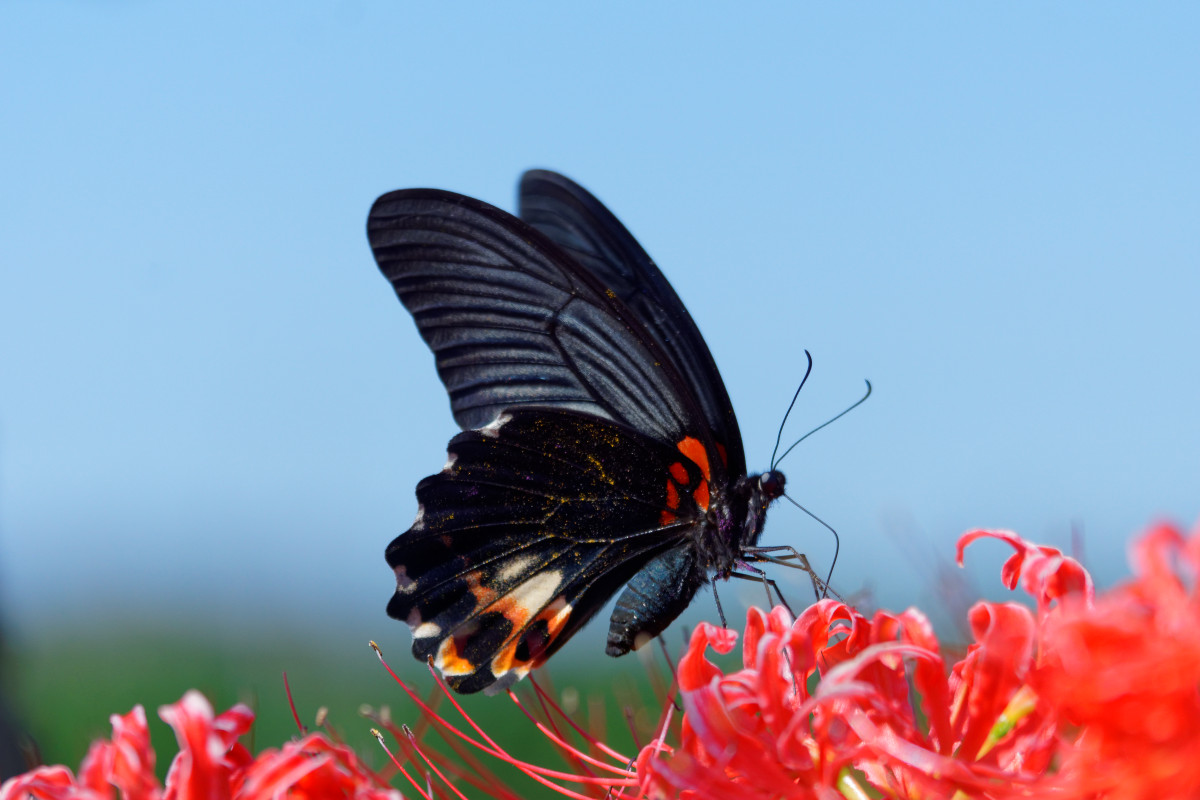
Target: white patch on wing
(506,678)
(514,568)
(419,522)
(451,457)
(404,583)
(492,429)
(560,611)
(427,630)
(536,592)
(414,619)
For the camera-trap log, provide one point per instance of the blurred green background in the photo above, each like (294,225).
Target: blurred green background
(69,683)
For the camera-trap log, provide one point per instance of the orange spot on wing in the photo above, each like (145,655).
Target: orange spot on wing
(513,611)
(449,661)
(666,518)
(672,495)
(504,660)
(555,616)
(484,595)
(690,446)
(701,495)
(679,472)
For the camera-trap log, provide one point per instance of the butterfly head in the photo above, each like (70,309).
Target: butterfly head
(772,483)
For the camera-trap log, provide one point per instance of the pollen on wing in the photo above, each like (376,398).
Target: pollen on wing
(600,470)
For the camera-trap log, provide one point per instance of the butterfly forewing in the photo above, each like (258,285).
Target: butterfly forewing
(588,232)
(513,322)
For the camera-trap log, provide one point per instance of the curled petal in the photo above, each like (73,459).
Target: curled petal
(1154,558)
(1048,574)
(822,623)
(695,670)
(312,769)
(759,623)
(133,757)
(232,724)
(96,768)
(46,783)
(198,772)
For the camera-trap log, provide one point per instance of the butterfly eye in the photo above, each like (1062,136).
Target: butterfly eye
(772,484)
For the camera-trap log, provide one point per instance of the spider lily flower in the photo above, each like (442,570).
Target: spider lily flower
(833,702)
(211,764)
(1087,696)
(1123,674)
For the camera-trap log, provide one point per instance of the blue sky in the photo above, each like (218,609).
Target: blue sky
(210,399)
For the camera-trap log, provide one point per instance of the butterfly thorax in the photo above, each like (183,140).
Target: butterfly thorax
(736,520)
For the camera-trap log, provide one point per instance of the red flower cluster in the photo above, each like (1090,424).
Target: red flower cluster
(1084,699)
(1124,675)
(211,764)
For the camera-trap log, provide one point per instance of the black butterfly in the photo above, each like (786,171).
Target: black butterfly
(599,447)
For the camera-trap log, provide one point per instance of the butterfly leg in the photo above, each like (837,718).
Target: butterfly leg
(795,559)
(761,577)
(720,611)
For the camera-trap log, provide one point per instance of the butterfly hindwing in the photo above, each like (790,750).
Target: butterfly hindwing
(534,522)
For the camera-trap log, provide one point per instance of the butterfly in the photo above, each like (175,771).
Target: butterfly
(599,449)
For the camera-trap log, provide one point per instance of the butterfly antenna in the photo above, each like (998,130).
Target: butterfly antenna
(837,541)
(861,400)
(779,436)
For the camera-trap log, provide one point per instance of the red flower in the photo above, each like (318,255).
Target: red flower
(761,733)
(313,768)
(1125,674)
(1087,698)
(210,765)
